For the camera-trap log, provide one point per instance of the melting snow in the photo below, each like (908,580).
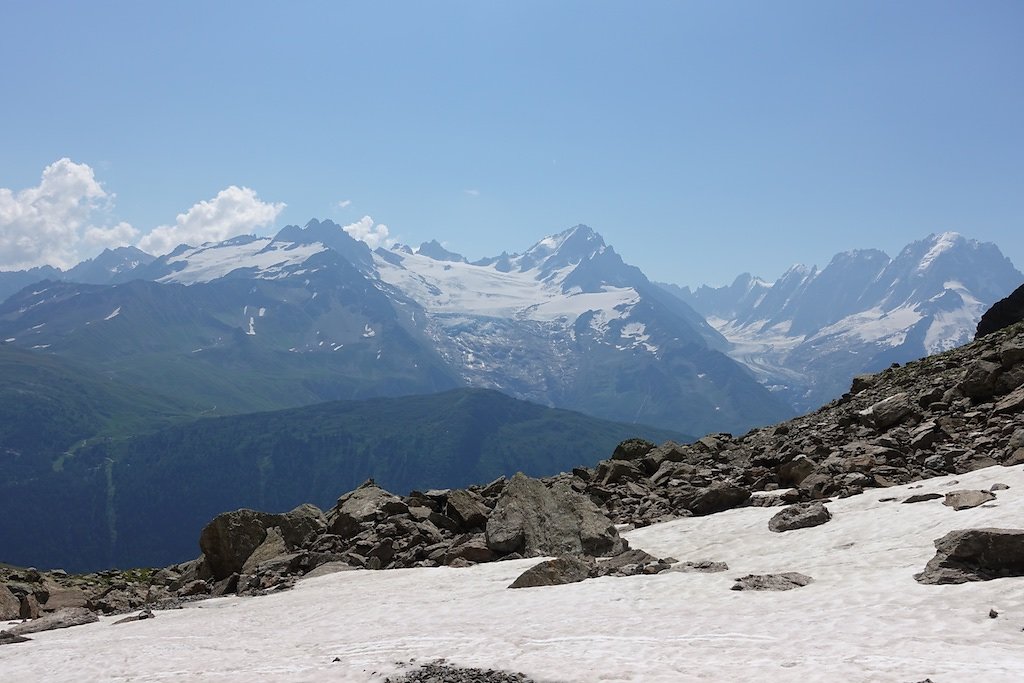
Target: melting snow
(863,619)
(368,331)
(117,312)
(263,311)
(943,243)
(252,328)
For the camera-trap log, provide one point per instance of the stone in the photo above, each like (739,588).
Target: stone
(699,567)
(799,516)
(29,607)
(922,497)
(999,486)
(888,412)
(10,638)
(531,519)
(298,527)
(614,471)
(965,499)
(556,572)
(368,503)
(472,550)
(771,582)
(272,546)
(61,597)
(717,497)
(636,558)
(795,471)
(467,509)
(632,449)
(230,538)
(65,618)
(10,606)
(1011,403)
(1002,314)
(979,380)
(141,616)
(975,555)
(861,382)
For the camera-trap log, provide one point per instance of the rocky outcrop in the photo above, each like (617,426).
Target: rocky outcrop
(555,572)
(65,618)
(975,555)
(1003,313)
(965,500)
(800,516)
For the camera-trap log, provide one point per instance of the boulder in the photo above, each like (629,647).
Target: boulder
(979,380)
(799,516)
(9,638)
(632,449)
(1012,402)
(717,497)
(771,582)
(921,497)
(975,555)
(965,499)
(532,520)
(229,540)
(300,526)
(368,503)
(795,471)
(561,570)
(1003,313)
(887,413)
(699,567)
(10,606)
(65,618)
(467,509)
(474,549)
(272,546)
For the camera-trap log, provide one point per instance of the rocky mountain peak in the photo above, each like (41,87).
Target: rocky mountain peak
(433,249)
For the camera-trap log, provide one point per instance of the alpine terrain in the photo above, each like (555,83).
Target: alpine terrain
(311,314)
(810,331)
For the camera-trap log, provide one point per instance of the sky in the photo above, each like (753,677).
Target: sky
(701,139)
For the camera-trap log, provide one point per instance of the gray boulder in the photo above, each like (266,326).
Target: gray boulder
(532,519)
(717,497)
(699,567)
(795,471)
(368,503)
(922,497)
(65,618)
(887,413)
(771,582)
(231,537)
(467,509)
(799,516)
(301,525)
(561,570)
(10,605)
(975,555)
(965,499)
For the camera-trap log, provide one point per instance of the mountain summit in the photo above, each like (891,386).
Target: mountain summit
(810,331)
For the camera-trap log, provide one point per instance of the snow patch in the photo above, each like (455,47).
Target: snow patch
(117,312)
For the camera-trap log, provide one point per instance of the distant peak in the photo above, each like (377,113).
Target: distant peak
(938,244)
(433,249)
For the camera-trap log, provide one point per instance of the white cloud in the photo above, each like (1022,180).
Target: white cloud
(472,193)
(365,230)
(54,223)
(344,203)
(234,211)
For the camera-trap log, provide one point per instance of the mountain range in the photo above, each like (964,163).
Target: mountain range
(311,314)
(810,331)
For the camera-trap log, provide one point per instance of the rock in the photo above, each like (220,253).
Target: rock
(632,449)
(230,538)
(999,486)
(472,550)
(10,638)
(65,618)
(700,567)
(1002,314)
(368,503)
(272,546)
(531,519)
(921,497)
(561,570)
(717,497)
(141,616)
(1012,402)
(795,471)
(964,499)
(467,509)
(29,607)
(992,614)
(861,382)
(300,526)
(61,597)
(799,516)
(196,587)
(614,471)
(771,582)
(10,606)
(887,413)
(975,555)
(635,559)
(979,380)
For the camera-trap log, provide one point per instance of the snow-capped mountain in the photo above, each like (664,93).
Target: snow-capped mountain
(105,268)
(565,323)
(810,331)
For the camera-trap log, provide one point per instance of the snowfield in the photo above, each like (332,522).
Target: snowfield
(863,619)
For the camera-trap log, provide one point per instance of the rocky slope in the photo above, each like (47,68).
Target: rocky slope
(946,414)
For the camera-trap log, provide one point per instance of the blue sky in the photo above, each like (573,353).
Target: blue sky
(702,139)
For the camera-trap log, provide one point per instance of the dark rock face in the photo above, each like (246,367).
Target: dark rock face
(1003,313)
(230,538)
(771,582)
(439,672)
(10,606)
(975,555)
(800,516)
(561,570)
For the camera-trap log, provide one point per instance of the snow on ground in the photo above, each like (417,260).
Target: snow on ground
(863,619)
(116,312)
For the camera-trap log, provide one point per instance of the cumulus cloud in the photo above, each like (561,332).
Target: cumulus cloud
(58,222)
(344,203)
(375,235)
(234,211)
